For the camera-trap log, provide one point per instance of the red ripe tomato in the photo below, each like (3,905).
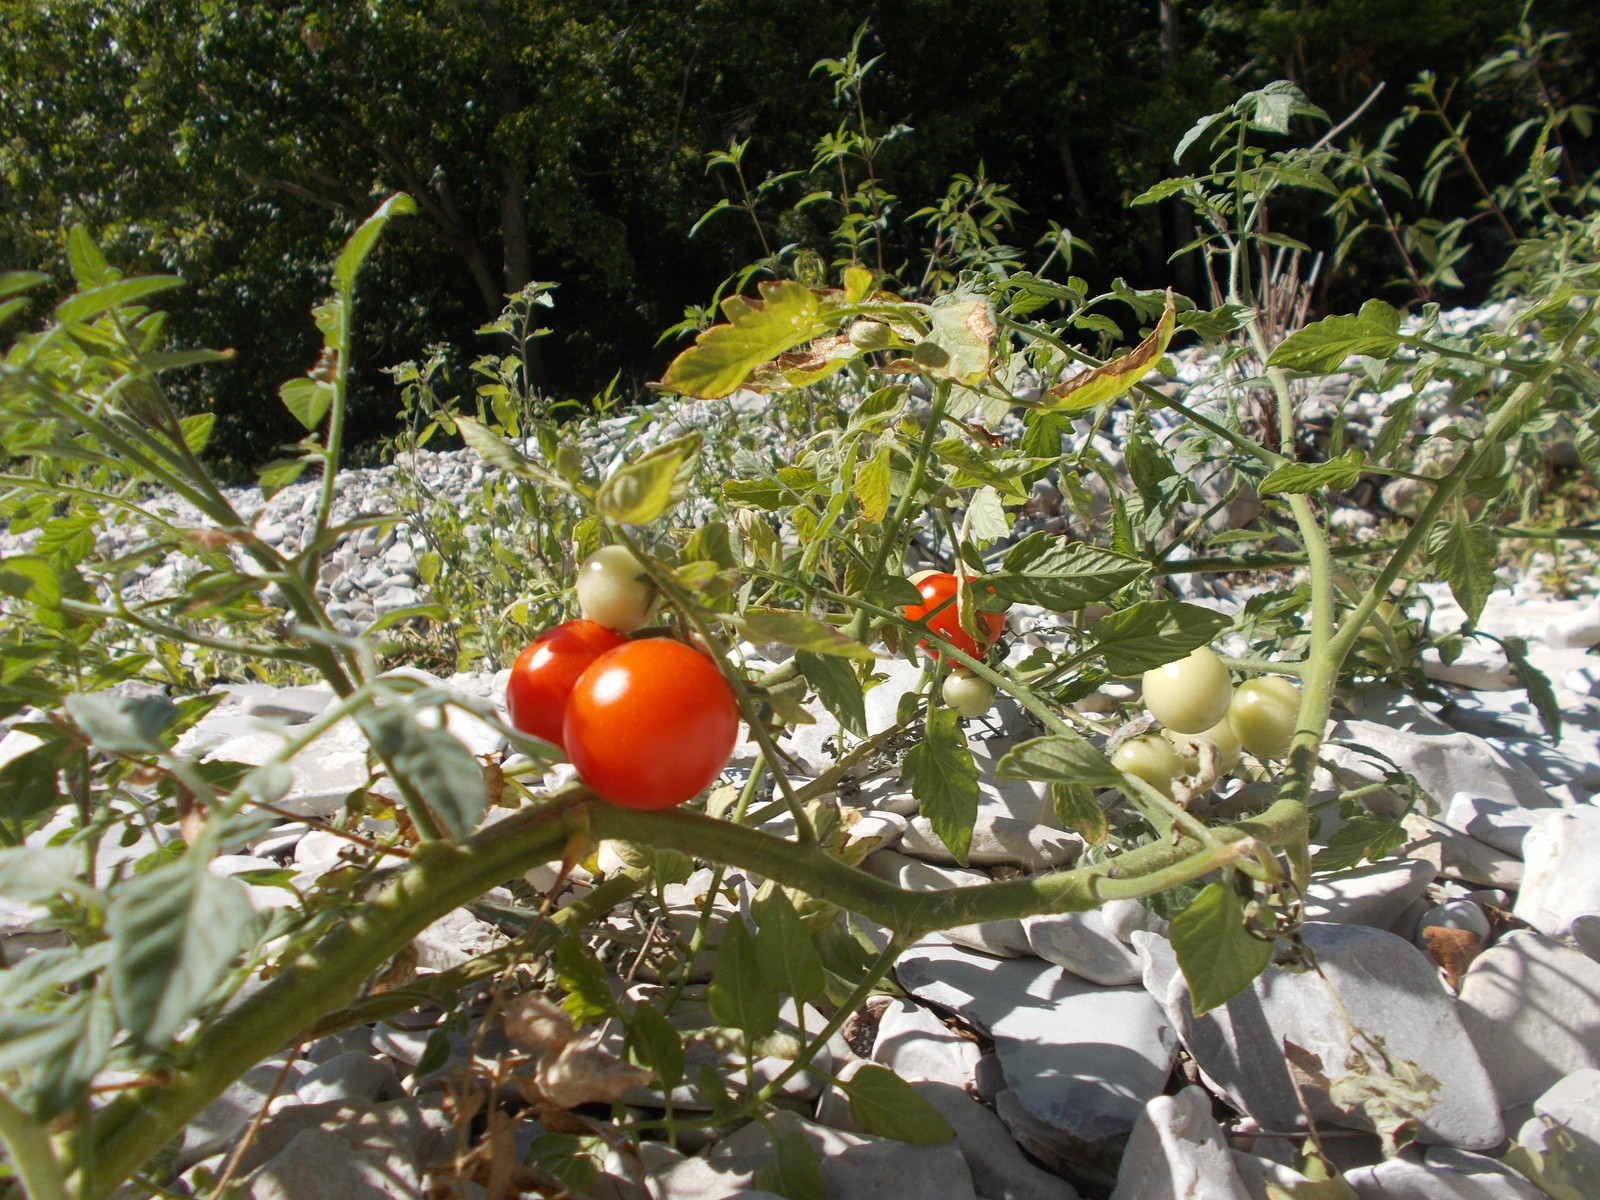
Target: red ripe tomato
(543,675)
(650,724)
(937,587)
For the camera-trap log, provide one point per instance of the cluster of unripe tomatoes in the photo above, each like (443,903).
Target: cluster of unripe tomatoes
(649,722)
(1195,701)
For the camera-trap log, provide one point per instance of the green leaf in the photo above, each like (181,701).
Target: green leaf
(1061,576)
(738,995)
(1301,478)
(787,957)
(944,779)
(974,468)
(39,874)
(411,612)
(279,474)
(86,305)
(986,517)
(837,687)
(174,932)
(793,1171)
(123,725)
(442,772)
(1217,954)
(366,237)
(641,491)
(788,314)
(588,995)
(29,787)
(871,486)
(1462,554)
(1111,379)
(1152,633)
(307,400)
(1077,810)
(964,330)
(500,454)
(83,256)
(1534,681)
(658,1045)
(197,430)
(762,625)
(14,282)
(1323,346)
(1058,759)
(883,1103)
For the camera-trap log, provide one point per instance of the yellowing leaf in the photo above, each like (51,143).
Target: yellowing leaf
(757,331)
(1112,379)
(797,368)
(963,329)
(857,283)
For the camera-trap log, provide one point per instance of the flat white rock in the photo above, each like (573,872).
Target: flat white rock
(1375,982)
(1177,1152)
(1532,1009)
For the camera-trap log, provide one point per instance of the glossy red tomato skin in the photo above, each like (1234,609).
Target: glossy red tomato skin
(936,588)
(650,724)
(543,676)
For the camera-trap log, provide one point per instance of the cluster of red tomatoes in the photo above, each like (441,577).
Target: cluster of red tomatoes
(648,722)
(1195,700)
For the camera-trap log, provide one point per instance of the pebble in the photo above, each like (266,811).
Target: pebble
(1370,980)
(1560,885)
(1532,1009)
(915,1044)
(1079,1061)
(1177,1152)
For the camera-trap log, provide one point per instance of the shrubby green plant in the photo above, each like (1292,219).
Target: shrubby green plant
(900,393)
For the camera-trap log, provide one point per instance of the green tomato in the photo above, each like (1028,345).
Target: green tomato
(1190,695)
(1263,714)
(614,592)
(867,334)
(1152,759)
(1220,735)
(967,694)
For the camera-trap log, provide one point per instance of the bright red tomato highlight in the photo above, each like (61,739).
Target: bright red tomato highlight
(650,724)
(937,587)
(545,672)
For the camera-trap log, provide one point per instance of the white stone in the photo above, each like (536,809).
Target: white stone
(1079,1061)
(1561,882)
(1373,894)
(1177,1152)
(1371,981)
(1084,944)
(1003,938)
(997,840)
(1493,822)
(915,1044)
(1532,1009)
(1566,1121)
(455,938)
(1443,763)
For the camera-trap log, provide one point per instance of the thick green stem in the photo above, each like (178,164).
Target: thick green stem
(32,1157)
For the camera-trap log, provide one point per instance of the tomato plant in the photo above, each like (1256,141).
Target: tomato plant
(614,591)
(936,588)
(650,724)
(1189,695)
(1263,714)
(544,673)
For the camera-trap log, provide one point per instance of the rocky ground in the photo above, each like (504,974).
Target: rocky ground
(1460,976)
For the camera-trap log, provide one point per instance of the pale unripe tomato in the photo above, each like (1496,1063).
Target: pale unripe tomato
(1152,759)
(967,694)
(614,592)
(867,334)
(1220,735)
(1190,695)
(1263,714)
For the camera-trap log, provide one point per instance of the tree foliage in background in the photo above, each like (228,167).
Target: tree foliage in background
(567,140)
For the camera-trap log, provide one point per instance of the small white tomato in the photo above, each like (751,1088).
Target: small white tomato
(614,592)
(1264,713)
(1190,695)
(1151,759)
(967,694)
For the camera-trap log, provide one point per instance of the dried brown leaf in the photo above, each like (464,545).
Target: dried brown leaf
(534,1021)
(1452,950)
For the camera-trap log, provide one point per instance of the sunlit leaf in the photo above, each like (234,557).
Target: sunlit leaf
(1217,953)
(1110,380)
(944,779)
(884,1104)
(787,315)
